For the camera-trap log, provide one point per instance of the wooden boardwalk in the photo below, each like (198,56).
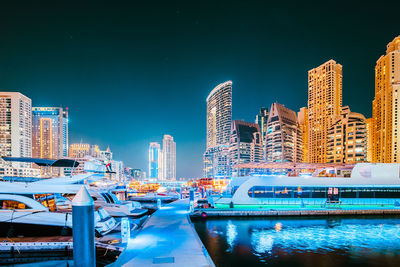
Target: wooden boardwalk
(168,238)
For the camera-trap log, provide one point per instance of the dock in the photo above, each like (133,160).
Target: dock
(214,212)
(168,238)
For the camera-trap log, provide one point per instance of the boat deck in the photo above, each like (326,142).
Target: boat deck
(168,238)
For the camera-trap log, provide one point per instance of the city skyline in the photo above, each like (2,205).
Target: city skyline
(48,71)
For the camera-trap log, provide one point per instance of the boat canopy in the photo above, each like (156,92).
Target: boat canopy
(45,162)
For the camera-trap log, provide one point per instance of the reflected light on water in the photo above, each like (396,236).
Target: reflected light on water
(266,241)
(231,233)
(278,226)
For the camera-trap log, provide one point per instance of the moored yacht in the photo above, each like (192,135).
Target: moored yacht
(368,185)
(37,214)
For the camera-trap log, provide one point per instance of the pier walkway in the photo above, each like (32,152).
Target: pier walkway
(167,239)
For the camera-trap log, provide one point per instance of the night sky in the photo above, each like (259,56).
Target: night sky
(132,71)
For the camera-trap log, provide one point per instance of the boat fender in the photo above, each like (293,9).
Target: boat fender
(11,231)
(203,215)
(65,230)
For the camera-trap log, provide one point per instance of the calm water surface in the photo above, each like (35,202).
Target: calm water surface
(344,241)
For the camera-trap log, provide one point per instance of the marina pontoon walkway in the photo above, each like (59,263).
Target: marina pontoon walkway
(167,239)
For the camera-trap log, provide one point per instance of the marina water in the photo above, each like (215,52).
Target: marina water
(311,241)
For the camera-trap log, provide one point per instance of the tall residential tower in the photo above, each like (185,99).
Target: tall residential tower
(49,132)
(169,158)
(245,145)
(283,141)
(386,104)
(155,160)
(219,120)
(324,104)
(15,126)
(347,138)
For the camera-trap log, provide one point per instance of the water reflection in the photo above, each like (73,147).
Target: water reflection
(305,242)
(231,234)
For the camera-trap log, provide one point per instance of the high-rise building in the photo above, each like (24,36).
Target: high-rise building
(169,158)
(117,168)
(65,133)
(219,114)
(302,118)
(49,132)
(15,126)
(283,141)
(245,146)
(347,138)
(385,107)
(79,150)
(155,160)
(219,119)
(261,120)
(324,103)
(370,129)
(216,161)
(106,155)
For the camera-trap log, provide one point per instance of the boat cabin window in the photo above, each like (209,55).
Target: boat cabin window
(13,205)
(107,198)
(47,200)
(261,191)
(322,192)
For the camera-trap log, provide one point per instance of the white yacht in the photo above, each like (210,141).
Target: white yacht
(369,184)
(113,205)
(36,213)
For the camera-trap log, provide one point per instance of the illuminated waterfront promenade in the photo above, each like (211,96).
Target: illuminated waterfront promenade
(167,238)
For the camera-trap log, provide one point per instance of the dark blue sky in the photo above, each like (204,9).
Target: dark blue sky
(135,70)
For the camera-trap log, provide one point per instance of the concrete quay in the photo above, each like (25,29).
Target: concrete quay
(167,238)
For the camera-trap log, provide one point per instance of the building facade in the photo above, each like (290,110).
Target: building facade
(49,132)
(385,106)
(155,160)
(347,138)
(261,120)
(169,158)
(15,126)
(370,129)
(245,146)
(216,161)
(79,150)
(302,118)
(324,104)
(283,141)
(219,119)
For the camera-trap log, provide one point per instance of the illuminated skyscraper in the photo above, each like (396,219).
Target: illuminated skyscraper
(324,103)
(15,126)
(219,114)
(261,120)
(219,119)
(169,158)
(245,146)
(347,138)
(155,160)
(302,118)
(370,129)
(79,150)
(385,107)
(49,132)
(283,141)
